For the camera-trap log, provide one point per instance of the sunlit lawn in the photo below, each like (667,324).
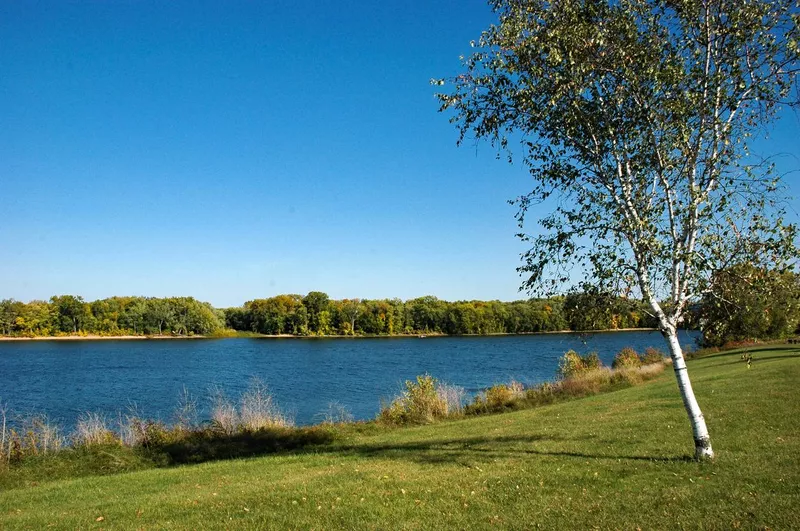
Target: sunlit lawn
(618,460)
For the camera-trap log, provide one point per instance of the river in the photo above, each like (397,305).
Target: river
(63,379)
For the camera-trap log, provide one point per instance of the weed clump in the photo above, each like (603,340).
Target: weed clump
(423,401)
(257,410)
(652,355)
(572,364)
(627,358)
(498,398)
(336,413)
(92,429)
(35,435)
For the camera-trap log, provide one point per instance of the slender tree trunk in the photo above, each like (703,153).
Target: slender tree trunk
(702,441)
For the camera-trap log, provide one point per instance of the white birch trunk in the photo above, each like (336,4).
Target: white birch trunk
(702,442)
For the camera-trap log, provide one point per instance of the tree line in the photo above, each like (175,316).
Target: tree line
(317,314)
(750,304)
(114,316)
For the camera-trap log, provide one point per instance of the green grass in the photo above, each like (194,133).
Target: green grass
(618,460)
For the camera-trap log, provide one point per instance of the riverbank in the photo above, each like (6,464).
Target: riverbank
(94,337)
(620,460)
(240,334)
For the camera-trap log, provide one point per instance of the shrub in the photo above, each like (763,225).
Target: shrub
(92,429)
(503,395)
(652,355)
(588,382)
(572,363)
(259,410)
(186,411)
(627,358)
(224,417)
(452,396)
(419,403)
(336,413)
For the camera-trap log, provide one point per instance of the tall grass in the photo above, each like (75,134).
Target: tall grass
(235,424)
(33,435)
(336,413)
(92,429)
(258,409)
(423,401)
(5,453)
(186,411)
(583,383)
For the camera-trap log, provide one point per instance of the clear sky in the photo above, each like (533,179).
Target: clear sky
(236,150)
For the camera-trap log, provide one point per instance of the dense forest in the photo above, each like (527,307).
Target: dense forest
(317,314)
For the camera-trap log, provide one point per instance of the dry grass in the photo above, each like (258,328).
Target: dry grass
(33,435)
(584,383)
(419,403)
(92,429)
(259,411)
(336,413)
(186,411)
(452,396)
(224,417)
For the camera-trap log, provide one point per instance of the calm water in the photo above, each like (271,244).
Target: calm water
(64,379)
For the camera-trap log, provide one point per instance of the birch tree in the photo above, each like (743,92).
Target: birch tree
(634,118)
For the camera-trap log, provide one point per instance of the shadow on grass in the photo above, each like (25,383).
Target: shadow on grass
(465,450)
(205,446)
(202,446)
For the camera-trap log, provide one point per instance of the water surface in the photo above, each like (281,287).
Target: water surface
(63,379)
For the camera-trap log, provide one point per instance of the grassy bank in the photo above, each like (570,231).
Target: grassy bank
(616,460)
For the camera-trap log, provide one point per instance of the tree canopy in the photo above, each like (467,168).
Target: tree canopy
(634,118)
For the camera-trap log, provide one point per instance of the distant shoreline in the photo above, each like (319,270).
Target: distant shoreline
(95,337)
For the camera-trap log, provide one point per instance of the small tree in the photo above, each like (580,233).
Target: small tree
(750,303)
(634,115)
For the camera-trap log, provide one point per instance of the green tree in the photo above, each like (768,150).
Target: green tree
(159,314)
(73,313)
(750,303)
(315,302)
(350,310)
(9,312)
(133,317)
(635,115)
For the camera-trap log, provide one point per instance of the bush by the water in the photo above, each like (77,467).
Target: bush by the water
(254,424)
(626,358)
(652,355)
(255,412)
(499,397)
(573,364)
(422,401)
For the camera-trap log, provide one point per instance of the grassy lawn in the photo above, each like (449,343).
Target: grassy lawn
(619,460)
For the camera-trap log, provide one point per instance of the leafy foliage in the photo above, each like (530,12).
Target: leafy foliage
(420,403)
(626,358)
(750,304)
(634,118)
(316,314)
(573,364)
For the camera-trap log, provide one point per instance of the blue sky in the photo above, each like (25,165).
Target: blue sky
(231,150)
